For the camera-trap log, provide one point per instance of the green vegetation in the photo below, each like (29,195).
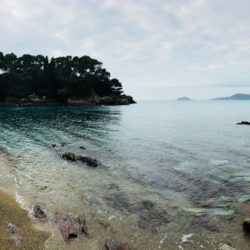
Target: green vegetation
(54,79)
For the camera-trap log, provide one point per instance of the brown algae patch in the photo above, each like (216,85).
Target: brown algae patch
(25,236)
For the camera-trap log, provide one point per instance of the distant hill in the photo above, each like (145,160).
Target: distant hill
(184,98)
(236,97)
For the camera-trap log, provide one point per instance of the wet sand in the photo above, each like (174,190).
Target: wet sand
(10,212)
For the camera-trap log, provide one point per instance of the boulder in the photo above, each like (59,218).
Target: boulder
(40,212)
(246,225)
(83,228)
(66,226)
(69,156)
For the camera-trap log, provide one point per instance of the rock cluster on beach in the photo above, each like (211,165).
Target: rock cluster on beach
(69,228)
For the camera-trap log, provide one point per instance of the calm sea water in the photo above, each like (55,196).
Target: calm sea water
(168,169)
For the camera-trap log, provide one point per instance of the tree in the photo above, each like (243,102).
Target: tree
(56,78)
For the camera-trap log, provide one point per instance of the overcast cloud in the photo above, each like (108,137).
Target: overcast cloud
(159,49)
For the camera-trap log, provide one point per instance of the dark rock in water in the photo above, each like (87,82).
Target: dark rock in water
(116,245)
(119,201)
(151,216)
(53,145)
(116,100)
(69,156)
(83,228)
(40,212)
(205,223)
(90,161)
(243,123)
(82,147)
(66,226)
(246,225)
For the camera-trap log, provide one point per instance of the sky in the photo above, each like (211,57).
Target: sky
(158,49)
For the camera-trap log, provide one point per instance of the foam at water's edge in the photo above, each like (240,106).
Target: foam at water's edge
(20,200)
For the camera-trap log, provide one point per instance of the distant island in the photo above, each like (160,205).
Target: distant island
(38,79)
(184,98)
(236,97)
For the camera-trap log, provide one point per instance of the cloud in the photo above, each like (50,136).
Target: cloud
(143,42)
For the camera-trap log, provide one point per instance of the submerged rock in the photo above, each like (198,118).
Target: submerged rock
(246,225)
(66,226)
(90,161)
(119,201)
(205,223)
(82,147)
(151,216)
(116,245)
(40,212)
(69,156)
(83,228)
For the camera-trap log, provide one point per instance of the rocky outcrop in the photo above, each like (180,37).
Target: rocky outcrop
(246,225)
(40,212)
(90,161)
(69,156)
(116,100)
(83,227)
(105,100)
(66,226)
(243,123)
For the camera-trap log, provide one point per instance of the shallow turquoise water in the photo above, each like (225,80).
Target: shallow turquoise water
(189,157)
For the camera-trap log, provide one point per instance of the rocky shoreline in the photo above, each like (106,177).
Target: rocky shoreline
(94,100)
(17,229)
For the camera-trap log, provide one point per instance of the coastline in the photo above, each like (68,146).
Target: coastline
(94,100)
(17,228)
(116,205)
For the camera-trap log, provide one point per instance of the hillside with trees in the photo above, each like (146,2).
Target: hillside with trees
(40,79)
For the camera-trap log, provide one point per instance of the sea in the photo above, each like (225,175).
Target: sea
(171,174)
